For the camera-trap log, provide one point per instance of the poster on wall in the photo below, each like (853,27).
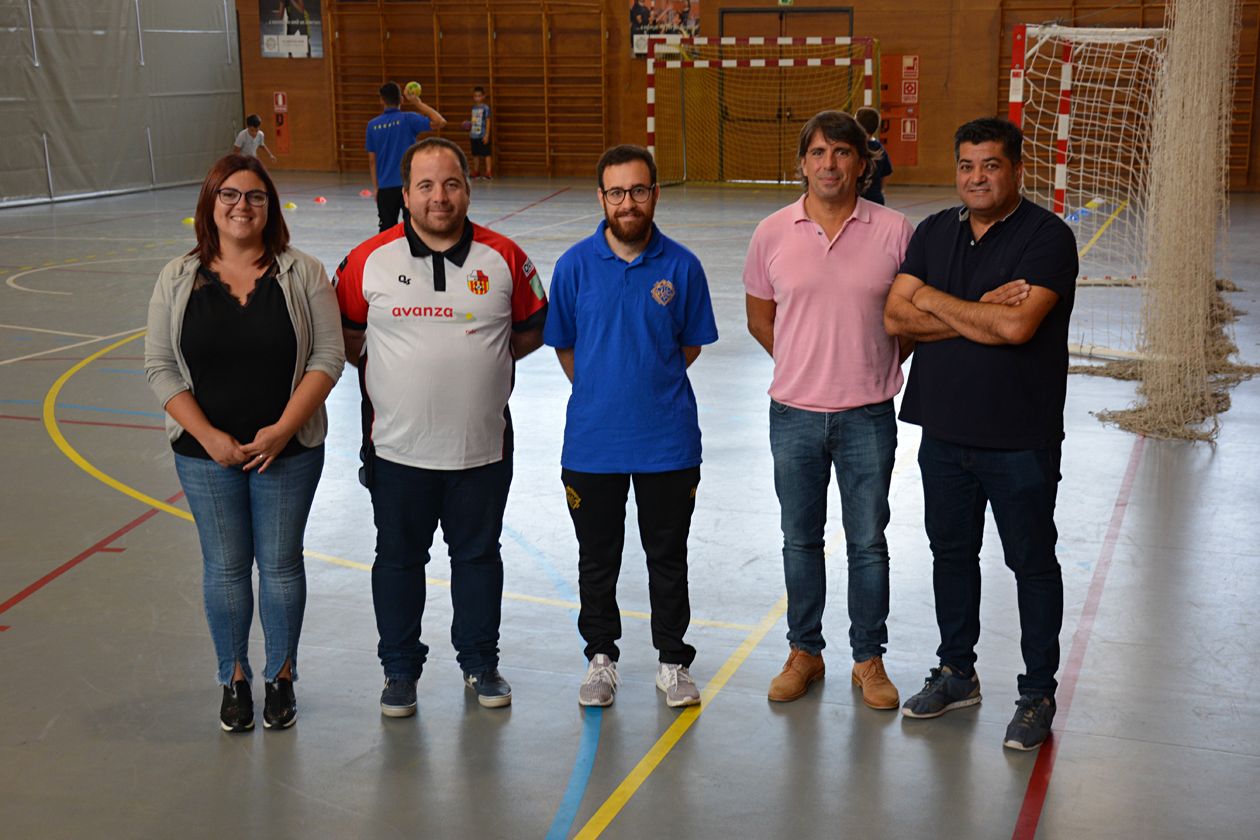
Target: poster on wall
(291,28)
(661,17)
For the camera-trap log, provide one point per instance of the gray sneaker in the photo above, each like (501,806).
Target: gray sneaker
(600,685)
(942,691)
(680,689)
(1031,725)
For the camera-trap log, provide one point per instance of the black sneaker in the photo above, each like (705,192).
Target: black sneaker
(398,698)
(492,690)
(236,714)
(280,708)
(1031,725)
(942,691)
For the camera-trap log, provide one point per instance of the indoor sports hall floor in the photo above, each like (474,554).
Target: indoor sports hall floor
(108,699)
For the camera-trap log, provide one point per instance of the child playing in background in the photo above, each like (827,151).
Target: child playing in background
(479,134)
(251,139)
(869,119)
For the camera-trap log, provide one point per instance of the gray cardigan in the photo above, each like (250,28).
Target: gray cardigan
(312,307)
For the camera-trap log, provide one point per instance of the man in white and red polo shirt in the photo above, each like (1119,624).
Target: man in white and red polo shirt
(435,312)
(817,274)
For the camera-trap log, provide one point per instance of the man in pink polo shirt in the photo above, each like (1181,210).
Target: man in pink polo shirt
(817,275)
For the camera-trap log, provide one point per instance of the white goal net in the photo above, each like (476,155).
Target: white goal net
(1085,99)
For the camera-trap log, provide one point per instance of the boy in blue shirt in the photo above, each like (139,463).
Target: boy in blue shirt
(479,134)
(388,136)
(629,311)
(869,119)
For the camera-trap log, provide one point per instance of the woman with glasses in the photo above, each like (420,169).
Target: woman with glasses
(243,346)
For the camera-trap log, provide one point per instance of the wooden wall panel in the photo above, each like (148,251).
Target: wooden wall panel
(308,84)
(539,60)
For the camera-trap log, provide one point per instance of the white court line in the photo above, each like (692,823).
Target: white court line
(52,332)
(11,282)
(531,231)
(69,346)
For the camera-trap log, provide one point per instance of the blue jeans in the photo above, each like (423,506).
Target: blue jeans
(859,444)
(408,503)
(1021,486)
(243,517)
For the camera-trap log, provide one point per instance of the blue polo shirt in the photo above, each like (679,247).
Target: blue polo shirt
(632,409)
(388,136)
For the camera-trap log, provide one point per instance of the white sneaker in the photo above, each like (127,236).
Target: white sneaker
(600,685)
(680,689)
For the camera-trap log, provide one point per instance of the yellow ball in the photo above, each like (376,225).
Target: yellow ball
(289,205)
(412,89)
(188,220)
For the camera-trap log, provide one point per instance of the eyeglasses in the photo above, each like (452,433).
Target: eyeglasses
(229,196)
(640,193)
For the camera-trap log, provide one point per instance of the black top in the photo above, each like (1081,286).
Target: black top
(993,396)
(242,358)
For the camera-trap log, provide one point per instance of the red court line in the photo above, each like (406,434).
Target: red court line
(88,423)
(527,206)
(103,545)
(1039,782)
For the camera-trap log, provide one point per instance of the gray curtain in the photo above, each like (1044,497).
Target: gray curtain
(102,96)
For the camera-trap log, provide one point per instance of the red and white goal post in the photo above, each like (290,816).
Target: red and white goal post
(730,109)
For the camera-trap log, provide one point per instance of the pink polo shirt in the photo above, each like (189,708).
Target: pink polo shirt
(830,349)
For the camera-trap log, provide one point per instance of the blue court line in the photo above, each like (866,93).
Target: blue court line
(592,716)
(90,408)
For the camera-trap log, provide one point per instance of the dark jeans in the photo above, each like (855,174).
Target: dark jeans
(389,203)
(408,504)
(1021,486)
(597,504)
(859,445)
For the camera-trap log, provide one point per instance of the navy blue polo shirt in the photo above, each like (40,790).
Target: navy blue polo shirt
(388,136)
(632,409)
(1007,396)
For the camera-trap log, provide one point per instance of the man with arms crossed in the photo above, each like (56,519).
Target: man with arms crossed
(629,310)
(435,313)
(817,274)
(987,291)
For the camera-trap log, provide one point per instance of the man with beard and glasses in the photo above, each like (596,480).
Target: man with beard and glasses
(629,311)
(435,312)
(816,277)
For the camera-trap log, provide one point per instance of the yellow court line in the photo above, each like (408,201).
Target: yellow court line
(614,803)
(1099,233)
(54,432)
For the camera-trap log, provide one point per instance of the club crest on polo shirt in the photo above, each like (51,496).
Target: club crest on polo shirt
(478,282)
(663,292)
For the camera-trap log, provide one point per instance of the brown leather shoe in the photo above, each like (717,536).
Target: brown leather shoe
(798,672)
(878,692)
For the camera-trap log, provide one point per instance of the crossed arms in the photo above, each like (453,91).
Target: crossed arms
(1009,314)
